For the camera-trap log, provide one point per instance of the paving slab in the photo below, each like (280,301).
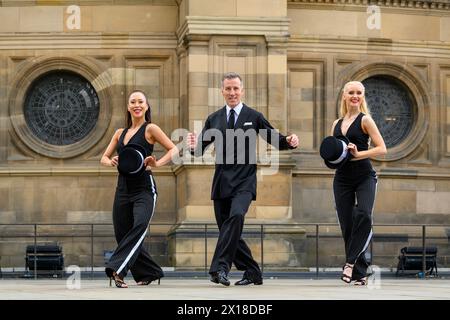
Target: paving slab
(203,289)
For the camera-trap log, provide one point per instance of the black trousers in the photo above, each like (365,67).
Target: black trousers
(231,248)
(134,205)
(354,194)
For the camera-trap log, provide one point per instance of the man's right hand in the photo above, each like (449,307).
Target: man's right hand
(191,140)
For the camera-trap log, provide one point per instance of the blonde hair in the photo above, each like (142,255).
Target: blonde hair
(363,107)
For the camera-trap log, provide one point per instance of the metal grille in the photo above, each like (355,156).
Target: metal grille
(61,108)
(392,108)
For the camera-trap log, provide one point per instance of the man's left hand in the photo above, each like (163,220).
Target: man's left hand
(292,140)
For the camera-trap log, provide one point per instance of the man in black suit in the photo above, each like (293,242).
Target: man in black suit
(233,130)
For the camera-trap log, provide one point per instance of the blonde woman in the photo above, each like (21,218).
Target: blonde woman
(355,182)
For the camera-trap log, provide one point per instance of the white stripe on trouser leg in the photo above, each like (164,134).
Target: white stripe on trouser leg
(153,184)
(366,244)
(371,230)
(136,246)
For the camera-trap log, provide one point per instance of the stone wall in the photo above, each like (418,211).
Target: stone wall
(294,57)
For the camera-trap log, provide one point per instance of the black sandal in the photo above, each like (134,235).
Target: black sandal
(117,280)
(361,282)
(344,277)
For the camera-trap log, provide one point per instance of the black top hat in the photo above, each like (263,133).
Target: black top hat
(131,160)
(334,151)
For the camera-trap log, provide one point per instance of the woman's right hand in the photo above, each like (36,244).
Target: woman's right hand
(114,161)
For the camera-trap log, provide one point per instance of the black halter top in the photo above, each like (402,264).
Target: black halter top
(137,138)
(355,133)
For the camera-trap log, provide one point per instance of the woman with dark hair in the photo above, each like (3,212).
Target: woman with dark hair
(355,181)
(135,198)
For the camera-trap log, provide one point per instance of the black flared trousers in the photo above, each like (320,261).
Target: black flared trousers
(134,206)
(354,195)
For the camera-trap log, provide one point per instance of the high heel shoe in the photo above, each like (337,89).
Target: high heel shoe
(345,277)
(118,281)
(361,282)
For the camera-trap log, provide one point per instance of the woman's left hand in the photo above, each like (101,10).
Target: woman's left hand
(150,161)
(353,149)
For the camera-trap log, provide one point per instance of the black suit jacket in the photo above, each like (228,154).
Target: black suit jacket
(236,166)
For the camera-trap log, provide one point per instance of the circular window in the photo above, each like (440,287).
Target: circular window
(391,106)
(61,108)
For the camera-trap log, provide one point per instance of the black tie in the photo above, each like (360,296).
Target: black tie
(231,120)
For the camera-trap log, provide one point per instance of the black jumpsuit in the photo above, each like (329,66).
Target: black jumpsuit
(134,205)
(354,189)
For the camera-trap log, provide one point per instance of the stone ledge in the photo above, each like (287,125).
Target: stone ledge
(383,173)
(71,171)
(91,40)
(360,45)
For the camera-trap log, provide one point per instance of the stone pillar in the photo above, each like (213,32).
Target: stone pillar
(277,80)
(3,110)
(250,38)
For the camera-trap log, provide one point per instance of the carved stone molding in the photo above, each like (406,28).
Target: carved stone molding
(23,3)
(234,25)
(402,4)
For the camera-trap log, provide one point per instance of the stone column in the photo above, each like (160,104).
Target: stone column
(277,80)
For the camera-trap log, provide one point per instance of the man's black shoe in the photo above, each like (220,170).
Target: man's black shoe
(246,282)
(214,277)
(222,278)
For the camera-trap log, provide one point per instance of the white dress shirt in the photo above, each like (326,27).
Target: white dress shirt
(236,109)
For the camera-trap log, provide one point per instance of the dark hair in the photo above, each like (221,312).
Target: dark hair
(148,114)
(232,75)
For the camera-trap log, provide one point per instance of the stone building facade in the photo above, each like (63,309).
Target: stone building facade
(294,56)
